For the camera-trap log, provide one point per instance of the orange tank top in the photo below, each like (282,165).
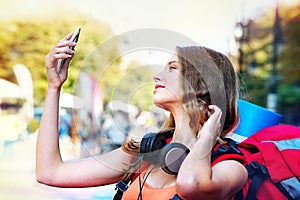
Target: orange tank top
(148,192)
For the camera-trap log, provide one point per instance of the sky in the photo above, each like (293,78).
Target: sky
(208,22)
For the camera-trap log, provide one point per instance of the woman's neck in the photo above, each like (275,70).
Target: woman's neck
(183,133)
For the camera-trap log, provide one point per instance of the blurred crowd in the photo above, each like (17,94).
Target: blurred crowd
(82,133)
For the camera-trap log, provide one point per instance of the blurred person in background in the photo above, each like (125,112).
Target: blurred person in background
(116,127)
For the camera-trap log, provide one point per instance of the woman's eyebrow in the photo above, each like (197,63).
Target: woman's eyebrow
(171,62)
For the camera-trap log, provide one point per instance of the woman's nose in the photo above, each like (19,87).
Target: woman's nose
(157,77)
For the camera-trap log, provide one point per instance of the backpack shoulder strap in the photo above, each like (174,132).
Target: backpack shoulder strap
(226,152)
(123,184)
(121,187)
(258,174)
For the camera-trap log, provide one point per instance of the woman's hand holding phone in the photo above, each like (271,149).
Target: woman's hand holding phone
(58,59)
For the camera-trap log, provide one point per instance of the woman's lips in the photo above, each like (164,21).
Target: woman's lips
(157,86)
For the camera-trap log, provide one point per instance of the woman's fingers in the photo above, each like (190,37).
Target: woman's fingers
(63,52)
(215,108)
(60,52)
(216,116)
(213,124)
(62,56)
(64,43)
(66,38)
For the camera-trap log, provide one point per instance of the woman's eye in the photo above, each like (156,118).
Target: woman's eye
(172,67)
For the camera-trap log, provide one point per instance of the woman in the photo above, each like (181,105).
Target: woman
(187,88)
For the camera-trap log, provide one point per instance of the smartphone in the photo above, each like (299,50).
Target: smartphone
(74,38)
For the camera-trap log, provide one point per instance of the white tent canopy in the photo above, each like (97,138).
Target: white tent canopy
(116,105)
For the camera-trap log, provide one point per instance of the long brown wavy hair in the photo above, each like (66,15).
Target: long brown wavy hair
(207,77)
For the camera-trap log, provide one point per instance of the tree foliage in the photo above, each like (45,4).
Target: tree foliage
(27,41)
(290,62)
(258,59)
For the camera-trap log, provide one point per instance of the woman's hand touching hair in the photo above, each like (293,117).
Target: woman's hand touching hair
(212,126)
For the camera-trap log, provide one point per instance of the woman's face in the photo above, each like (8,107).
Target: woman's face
(166,92)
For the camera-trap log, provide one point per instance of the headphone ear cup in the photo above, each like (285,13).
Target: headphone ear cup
(150,147)
(172,156)
(148,137)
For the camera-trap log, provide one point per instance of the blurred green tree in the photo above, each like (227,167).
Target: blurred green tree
(289,89)
(27,41)
(258,62)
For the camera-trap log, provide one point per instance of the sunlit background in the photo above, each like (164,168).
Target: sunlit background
(260,37)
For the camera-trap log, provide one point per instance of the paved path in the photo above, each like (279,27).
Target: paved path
(17,178)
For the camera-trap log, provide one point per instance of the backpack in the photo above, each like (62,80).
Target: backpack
(272,161)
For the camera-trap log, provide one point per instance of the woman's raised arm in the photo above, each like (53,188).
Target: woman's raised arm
(50,168)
